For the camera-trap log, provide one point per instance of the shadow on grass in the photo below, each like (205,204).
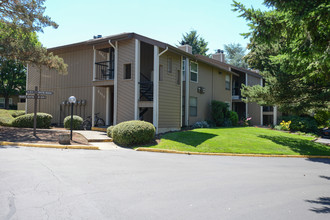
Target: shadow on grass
(324,202)
(303,147)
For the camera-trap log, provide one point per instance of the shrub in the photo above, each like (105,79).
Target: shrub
(322,118)
(304,124)
(285,126)
(109,131)
(133,133)
(26,121)
(77,122)
(200,124)
(17,113)
(219,111)
(233,117)
(245,122)
(278,127)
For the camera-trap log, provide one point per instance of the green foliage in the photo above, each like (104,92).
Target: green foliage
(6,117)
(12,79)
(17,113)
(77,122)
(235,55)
(322,118)
(133,133)
(200,124)
(109,131)
(26,121)
(289,44)
(19,22)
(304,124)
(233,117)
(198,44)
(219,111)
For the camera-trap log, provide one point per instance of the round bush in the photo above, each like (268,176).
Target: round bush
(304,124)
(26,121)
(77,122)
(233,117)
(17,113)
(109,131)
(133,133)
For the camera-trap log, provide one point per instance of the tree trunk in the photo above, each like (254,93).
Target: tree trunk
(6,101)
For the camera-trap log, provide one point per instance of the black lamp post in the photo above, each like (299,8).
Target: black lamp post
(72,100)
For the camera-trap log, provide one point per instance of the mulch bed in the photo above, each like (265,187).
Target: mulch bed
(43,136)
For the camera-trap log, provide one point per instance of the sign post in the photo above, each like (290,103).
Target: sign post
(36,95)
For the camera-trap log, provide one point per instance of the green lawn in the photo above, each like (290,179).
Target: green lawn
(242,140)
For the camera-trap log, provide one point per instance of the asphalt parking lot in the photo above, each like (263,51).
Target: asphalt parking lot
(39,183)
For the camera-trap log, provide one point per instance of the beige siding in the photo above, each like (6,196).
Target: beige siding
(214,84)
(169,93)
(126,87)
(78,82)
(254,110)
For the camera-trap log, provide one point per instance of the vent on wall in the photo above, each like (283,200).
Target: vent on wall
(201,90)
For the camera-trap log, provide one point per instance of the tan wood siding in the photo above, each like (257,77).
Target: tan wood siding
(169,93)
(126,87)
(214,84)
(254,110)
(78,82)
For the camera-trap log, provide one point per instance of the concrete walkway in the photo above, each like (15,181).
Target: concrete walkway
(95,136)
(323,141)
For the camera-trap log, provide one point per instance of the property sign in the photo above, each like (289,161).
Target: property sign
(39,92)
(31,97)
(35,94)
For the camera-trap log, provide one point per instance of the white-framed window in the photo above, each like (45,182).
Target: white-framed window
(169,64)
(183,67)
(227,82)
(193,71)
(192,106)
(2,102)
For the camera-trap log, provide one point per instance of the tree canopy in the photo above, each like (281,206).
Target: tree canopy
(290,45)
(235,55)
(19,22)
(198,44)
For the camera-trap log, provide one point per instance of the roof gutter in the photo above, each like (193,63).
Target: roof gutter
(163,52)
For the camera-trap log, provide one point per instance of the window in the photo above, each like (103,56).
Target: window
(194,71)
(161,75)
(127,71)
(2,102)
(183,67)
(227,82)
(193,106)
(169,64)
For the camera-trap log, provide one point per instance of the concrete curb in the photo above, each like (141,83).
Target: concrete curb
(99,140)
(226,154)
(99,129)
(83,147)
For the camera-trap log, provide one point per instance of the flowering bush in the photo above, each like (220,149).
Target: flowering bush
(201,124)
(245,122)
(285,126)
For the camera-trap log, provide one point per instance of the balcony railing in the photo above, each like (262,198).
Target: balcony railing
(146,91)
(104,70)
(236,93)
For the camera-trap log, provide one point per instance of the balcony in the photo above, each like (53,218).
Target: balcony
(236,93)
(146,91)
(104,70)
(267,108)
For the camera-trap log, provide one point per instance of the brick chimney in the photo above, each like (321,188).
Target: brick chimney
(219,55)
(187,48)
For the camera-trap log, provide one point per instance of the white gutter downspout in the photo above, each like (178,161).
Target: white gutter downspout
(115,87)
(137,79)
(163,52)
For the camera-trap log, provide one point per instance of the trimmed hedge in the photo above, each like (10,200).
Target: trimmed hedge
(133,133)
(233,117)
(304,124)
(77,122)
(109,131)
(17,113)
(26,121)
(219,111)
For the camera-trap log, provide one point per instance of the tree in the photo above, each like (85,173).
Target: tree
(235,55)
(19,22)
(289,44)
(12,79)
(198,44)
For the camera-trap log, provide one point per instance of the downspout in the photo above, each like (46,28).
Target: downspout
(163,52)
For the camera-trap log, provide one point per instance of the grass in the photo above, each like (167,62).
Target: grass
(7,116)
(241,140)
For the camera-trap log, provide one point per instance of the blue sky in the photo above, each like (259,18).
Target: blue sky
(164,20)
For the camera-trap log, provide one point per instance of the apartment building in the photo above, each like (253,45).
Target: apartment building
(129,77)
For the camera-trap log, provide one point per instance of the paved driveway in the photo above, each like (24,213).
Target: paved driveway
(38,183)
